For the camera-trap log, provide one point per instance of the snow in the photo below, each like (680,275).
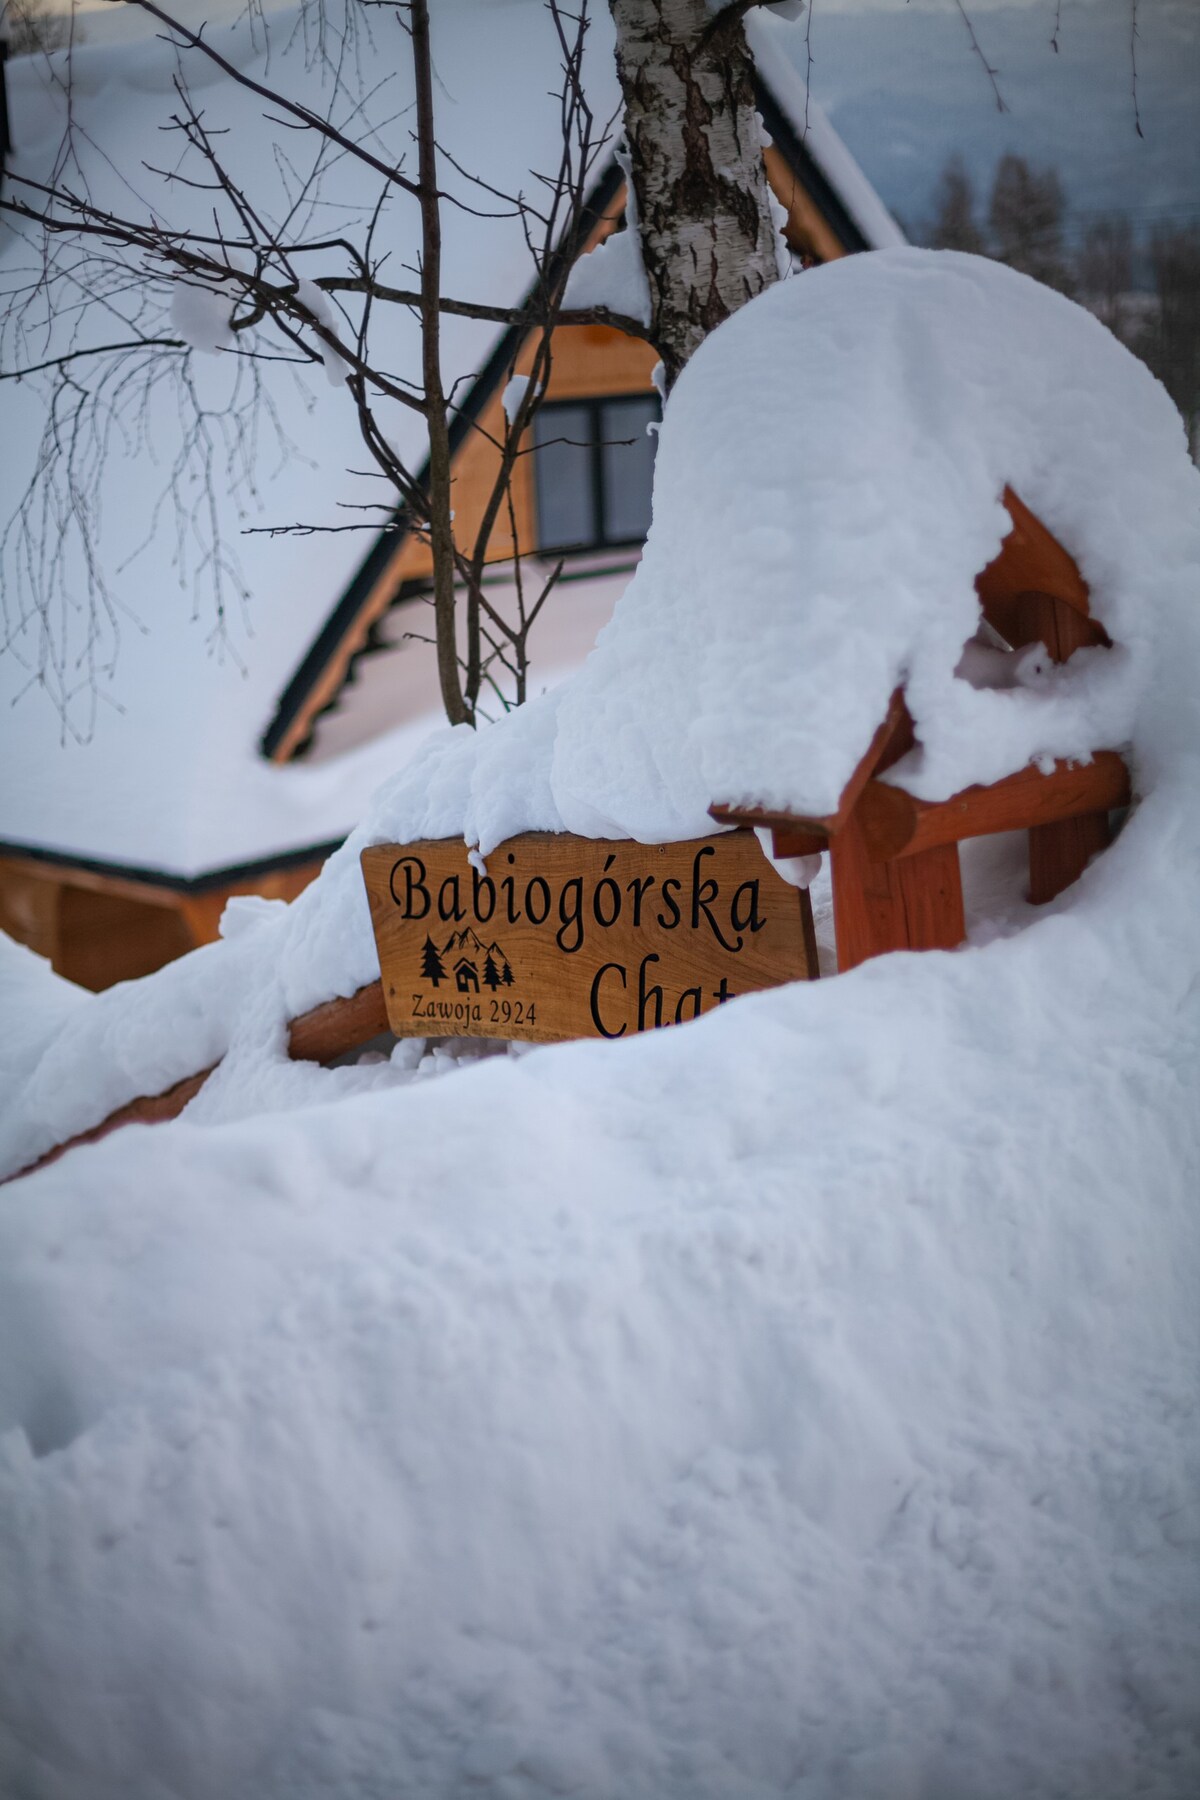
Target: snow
(798,1402)
(202,317)
(513,396)
(612,274)
(36,1005)
(317,302)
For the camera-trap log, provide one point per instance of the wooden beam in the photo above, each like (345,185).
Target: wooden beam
(788,840)
(321,1035)
(868,918)
(895,824)
(150,1109)
(336,1026)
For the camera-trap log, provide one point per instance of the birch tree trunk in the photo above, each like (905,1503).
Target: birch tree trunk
(708,240)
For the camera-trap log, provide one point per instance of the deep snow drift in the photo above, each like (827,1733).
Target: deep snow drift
(802,1401)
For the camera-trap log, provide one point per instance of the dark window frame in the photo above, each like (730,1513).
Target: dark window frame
(595,445)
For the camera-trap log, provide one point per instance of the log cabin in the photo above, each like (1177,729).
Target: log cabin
(224,741)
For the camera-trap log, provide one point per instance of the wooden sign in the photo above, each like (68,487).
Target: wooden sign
(567,937)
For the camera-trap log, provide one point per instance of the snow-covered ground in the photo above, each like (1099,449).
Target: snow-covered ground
(800,1402)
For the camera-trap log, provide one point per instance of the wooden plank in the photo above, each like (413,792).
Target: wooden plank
(930,886)
(148,1110)
(764,818)
(91,880)
(105,938)
(29,905)
(1030,560)
(868,912)
(895,824)
(786,840)
(1059,853)
(339,1025)
(569,937)
(1038,618)
(915,904)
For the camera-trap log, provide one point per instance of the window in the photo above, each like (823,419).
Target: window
(594,465)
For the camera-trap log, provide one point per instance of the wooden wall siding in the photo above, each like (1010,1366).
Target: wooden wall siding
(29,909)
(590,361)
(203,911)
(105,938)
(97,930)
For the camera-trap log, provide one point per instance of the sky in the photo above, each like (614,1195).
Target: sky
(906,91)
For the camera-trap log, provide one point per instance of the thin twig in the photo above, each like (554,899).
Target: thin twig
(986,65)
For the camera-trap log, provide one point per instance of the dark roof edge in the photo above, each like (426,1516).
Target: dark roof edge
(804,165)
(386,544)
(178,884)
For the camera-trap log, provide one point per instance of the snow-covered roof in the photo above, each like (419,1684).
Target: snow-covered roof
(169,777)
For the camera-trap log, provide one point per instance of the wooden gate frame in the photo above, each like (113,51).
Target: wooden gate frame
(894,860)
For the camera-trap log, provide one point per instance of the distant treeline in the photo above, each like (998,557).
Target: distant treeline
(1105,267)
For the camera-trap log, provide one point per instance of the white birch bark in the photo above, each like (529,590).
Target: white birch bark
(704,211)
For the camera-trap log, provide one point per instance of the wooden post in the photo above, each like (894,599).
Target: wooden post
(1059,853)
(913,903)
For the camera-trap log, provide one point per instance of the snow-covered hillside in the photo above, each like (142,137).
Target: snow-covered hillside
(799,1402)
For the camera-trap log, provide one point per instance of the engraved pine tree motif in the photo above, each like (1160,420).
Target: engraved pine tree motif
(491,974)
(432,967)
(499,962)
